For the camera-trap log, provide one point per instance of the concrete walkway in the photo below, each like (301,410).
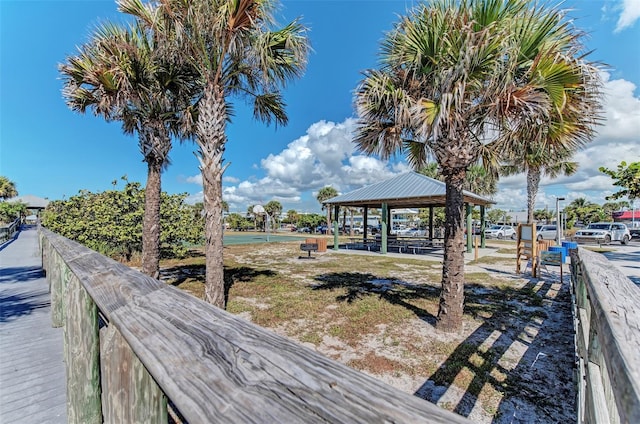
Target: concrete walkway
(32,374)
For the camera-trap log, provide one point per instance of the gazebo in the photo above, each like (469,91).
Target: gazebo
(406,190)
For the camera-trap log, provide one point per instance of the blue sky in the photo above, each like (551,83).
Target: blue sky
(49,151)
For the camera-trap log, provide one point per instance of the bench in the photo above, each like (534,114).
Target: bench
(308,247)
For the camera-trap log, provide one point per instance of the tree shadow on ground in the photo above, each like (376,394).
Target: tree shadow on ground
(515,317)
(358,285)
(13,306)
(22,274)
(181,273)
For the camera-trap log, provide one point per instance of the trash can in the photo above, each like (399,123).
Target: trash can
(570,246)
(321,242)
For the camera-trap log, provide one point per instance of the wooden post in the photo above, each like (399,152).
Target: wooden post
(469,227)
(431,223)
(56,286)
(475,239)
(82,353)
(129,393)
(483,225)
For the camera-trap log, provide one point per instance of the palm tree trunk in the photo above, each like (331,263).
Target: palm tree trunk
(452,294)
(533,182)
(211,141)
(151,221)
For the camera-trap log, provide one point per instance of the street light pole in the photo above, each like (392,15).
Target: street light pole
(558,223)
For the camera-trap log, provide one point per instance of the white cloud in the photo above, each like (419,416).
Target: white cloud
(324,155)
(196,179)
(629,14)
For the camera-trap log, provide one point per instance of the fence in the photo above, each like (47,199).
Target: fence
(607,325)
(133,343)
(7,232)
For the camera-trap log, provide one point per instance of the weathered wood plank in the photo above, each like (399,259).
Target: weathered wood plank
(596,411)
(218,367)
(82,356)
(615,321)
(129,393)
(54,272)
(32,377)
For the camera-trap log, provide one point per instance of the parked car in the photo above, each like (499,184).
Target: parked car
(604,233)
(304,230)
(546,232)
(500,232)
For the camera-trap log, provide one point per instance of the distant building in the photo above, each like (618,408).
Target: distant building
(631,218)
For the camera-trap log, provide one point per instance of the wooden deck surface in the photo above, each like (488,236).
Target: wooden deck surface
(32,375)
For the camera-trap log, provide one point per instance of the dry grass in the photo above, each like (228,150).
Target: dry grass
(377,314)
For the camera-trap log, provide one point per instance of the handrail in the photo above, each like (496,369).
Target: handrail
(8,231)
(607,323)
(131,340)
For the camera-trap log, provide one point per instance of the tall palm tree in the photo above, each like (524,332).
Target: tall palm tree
(326,193)
(7,188)
(535,168)
(234,48)
(121,77)
(547,143)
(449,87)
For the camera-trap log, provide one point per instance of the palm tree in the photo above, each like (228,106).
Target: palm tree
(547,143)
(274,209)
(326,193)
(235,51)
(535,167)
(7,188)
(450,78)
(120,75)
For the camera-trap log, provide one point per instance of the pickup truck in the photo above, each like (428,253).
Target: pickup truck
(634,232)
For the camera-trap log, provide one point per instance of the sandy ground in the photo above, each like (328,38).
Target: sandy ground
(532,355)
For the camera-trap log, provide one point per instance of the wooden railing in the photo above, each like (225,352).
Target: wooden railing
(132,342)
(607,324)
(8,231)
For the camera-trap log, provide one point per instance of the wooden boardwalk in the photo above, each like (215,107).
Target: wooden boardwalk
(32,375)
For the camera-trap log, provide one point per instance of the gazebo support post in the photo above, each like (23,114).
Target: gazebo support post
(482,225)
(383,230)
(469,229)
(431,223)
(336,215)
(365,224)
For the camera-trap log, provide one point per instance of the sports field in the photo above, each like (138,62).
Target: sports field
(231,238)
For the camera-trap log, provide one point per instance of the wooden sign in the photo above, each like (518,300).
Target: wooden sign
(526,245)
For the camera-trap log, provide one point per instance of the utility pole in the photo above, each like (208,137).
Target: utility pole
(558,223)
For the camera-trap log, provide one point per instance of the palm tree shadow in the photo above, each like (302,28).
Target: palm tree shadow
(181,273)
(358,285)
(482,353)
(23,274)
(21,304)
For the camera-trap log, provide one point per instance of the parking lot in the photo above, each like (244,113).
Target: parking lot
(627,259)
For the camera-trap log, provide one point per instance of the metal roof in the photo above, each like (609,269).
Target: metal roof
(405,190)
(33,202)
